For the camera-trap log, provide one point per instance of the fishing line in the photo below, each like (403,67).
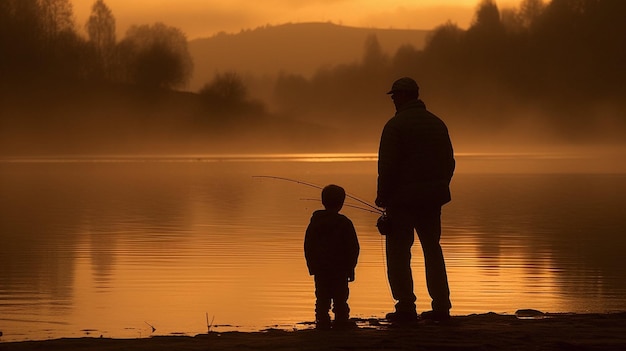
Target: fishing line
(348,195)
(371,208)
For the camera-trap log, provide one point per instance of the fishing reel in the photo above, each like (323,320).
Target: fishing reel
(383,224)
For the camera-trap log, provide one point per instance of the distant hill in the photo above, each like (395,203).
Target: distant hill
(292,48)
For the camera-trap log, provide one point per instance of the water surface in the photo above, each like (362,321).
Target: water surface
(116,246)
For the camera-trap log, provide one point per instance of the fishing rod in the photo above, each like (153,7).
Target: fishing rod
(383,223)
(372,207)
(351,206)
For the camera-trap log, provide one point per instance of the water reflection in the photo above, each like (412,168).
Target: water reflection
(113,247)
(548,240)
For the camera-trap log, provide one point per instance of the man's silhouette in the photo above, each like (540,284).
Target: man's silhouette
(415,166)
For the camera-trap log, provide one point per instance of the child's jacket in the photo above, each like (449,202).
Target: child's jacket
(330,243)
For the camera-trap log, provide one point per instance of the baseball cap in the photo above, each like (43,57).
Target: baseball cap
(404,84)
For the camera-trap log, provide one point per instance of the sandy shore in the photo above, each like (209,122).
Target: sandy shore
(474,332)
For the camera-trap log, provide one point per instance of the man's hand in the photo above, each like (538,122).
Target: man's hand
(351,276)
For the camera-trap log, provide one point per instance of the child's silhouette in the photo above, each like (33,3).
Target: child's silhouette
(331,249)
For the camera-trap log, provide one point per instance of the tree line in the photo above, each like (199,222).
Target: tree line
(40,44)
(66,90)
(565,57)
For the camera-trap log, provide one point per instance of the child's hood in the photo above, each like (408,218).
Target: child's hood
(325,216)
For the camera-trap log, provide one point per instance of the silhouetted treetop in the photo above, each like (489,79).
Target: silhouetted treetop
(156,56)
(226,88)
(530,11)
(487,16)
(373,53)
(38,41)
(101,32)
(40,44)
(101,27)
(56,17)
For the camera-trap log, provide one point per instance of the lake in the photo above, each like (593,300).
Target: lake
(117,246)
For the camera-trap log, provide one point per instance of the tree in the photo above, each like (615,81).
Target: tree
(404,60)
(443,51)
(225,89)
(373,56)
(39,41)
(445,40)
(583,41)
(57,17)
(485,41)
(101,30)
(156,56)
(227,101)
(487,17)
(530,11)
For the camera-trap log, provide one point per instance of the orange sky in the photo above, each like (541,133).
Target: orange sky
(203,18)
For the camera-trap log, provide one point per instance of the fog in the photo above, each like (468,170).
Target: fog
(516,81)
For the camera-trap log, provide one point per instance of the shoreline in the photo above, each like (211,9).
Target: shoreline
(526,330)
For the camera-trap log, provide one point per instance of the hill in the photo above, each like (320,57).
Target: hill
(293,48)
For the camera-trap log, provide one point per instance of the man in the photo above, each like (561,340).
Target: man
(415,166)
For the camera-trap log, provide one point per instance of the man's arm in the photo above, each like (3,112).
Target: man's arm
(387,163)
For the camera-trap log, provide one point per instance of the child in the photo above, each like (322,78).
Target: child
(331,249)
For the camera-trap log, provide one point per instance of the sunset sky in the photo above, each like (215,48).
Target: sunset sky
(203,18)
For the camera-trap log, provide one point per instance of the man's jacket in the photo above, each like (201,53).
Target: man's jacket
(415,159)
